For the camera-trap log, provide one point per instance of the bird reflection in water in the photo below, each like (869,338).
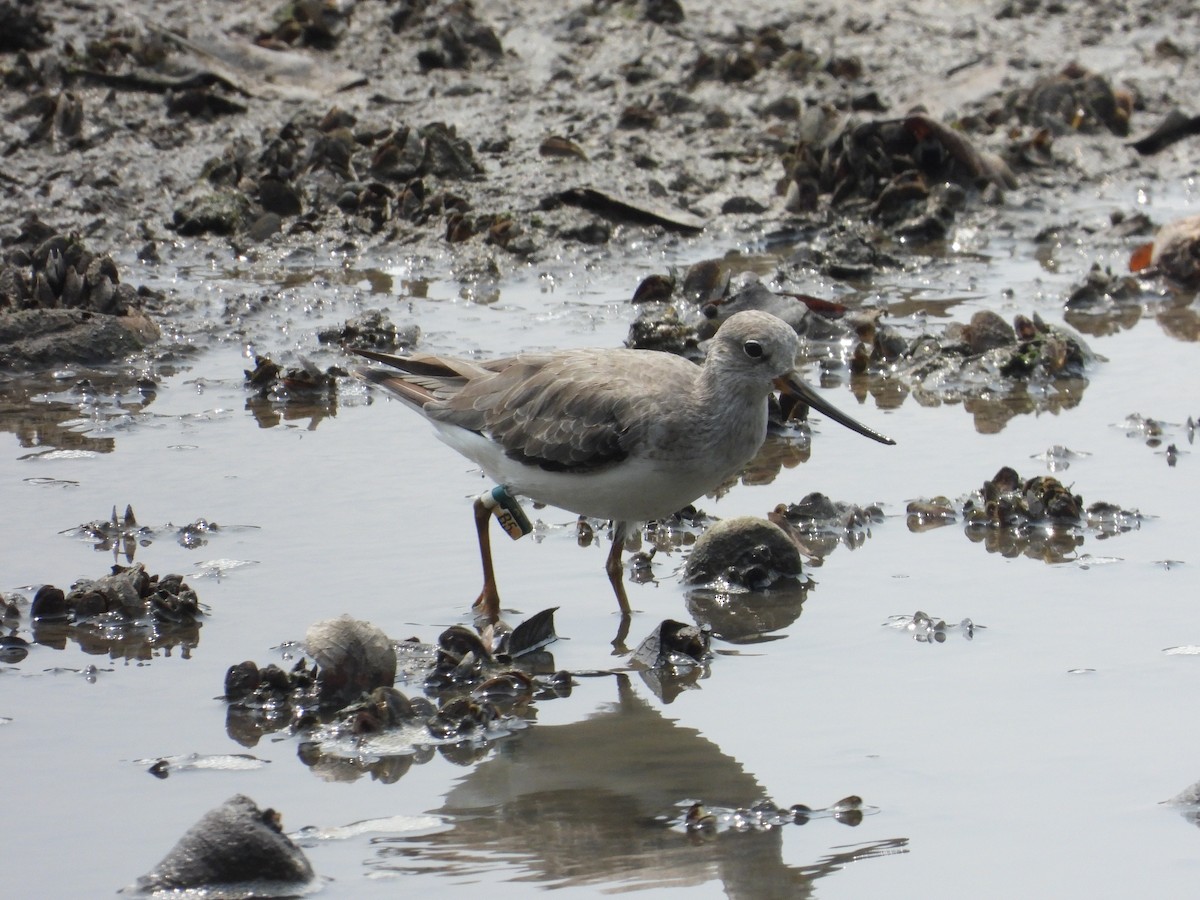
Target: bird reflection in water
(583,804)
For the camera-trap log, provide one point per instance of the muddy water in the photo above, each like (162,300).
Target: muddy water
(1022,762)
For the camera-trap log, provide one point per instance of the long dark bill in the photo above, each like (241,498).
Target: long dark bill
(791,384)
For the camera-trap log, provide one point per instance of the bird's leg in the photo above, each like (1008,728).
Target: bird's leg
(616,577)
(488,602)
(615,569)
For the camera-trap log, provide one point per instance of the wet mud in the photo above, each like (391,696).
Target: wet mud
(975,208)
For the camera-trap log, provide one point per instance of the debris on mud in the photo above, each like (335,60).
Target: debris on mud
(708,821)
(673,645)
(373,329)
(1037,517)
(22,27)
(352,658)
(926,629)
(673,658)
(60,302)
(373,175)
(165,766)
(296,392)
(812,318)
(127,614)
(679,316)
(1074,99)
(306,24)
(1146,428)
(747,576)
(117,535)
(1008,501)
(122,536)
(1106,302)
(129,596)
(618,209)
(894,169)
(908,175)
(234,850)
(818,525)
(306,381)
(451,34)
(984,350)
(993,368)
(1101,290)
(477,685)
(1175,126)
(1156,432)
(248,685)
(1057,459)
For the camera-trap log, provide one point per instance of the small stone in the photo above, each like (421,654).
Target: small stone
(235,844)
(746,551)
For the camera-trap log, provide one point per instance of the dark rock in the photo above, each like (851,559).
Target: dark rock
(35,338)
(22,26)
(663,12)
(372,329)
(745,552)
(223,213)
(238,846)
(241,681)
(654,289)
(279,197)
(743,205)
(594,232)
(49,605)
(986,331)
(706,281)
(264,227)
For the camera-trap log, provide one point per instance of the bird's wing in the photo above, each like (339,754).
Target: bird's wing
(567,411)
(419,379)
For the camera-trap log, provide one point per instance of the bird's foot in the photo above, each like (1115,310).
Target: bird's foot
(487,604)
(618,642)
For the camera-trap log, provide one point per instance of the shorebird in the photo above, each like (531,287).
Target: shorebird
(618,434)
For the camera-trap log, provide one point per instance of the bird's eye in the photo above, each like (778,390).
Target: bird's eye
(753,349)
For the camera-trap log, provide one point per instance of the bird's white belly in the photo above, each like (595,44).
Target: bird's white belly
(633,490)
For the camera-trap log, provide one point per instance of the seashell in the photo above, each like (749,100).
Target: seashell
(49,605)
(561,147)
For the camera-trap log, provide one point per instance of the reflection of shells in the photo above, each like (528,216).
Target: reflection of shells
(926,629)
(1036,517)
(765,815)
(217,568)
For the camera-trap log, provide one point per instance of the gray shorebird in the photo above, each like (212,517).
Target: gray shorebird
(625,435)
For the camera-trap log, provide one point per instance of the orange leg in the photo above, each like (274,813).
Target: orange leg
(616,577)
(616,570)
(488,602)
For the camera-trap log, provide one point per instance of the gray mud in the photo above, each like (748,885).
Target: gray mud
(484,140)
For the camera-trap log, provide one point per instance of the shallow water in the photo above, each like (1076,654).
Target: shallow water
(1025,761)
